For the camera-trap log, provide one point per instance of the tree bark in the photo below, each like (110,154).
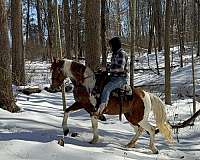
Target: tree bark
(198,26)
(27,21)
(151,27)
(6,95)
(167,53)
(132,4)
(57,38)
(158,23)
(118,25)
(67,29)
(103,32)
(180,23)
(75,28)
(50,28)
(93,47)
(17,43)
(38,9)
(193,61)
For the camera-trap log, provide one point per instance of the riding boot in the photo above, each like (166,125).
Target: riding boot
(102,117)
(102,106)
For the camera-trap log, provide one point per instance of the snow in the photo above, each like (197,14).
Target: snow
(33,133)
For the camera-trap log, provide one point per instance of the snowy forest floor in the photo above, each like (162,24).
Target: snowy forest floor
(33,132)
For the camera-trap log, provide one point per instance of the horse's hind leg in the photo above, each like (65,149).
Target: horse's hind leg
(139,131)
(94,121)
(151,129)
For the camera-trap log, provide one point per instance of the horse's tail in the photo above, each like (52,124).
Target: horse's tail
(159,111)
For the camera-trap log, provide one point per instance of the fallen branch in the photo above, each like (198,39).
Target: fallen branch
(188,122)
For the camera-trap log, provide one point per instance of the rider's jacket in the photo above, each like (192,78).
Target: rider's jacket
(119,62)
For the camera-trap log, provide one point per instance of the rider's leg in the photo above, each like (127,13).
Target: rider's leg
(115,82)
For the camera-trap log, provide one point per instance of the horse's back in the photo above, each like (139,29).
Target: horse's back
(132,109)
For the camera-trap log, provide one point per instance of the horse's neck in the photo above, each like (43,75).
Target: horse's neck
(67,68)
(89,79)
(79,72)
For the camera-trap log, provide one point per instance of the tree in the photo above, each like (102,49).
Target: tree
(51,44)
(67,29)
(198,28)
(193,61)
(93,47)
(17,43)
(132,4)
(103,32)
(75,28)
(6,95)
(167,53)
(38,9)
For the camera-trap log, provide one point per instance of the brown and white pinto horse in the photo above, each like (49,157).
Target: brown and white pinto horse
(135,110)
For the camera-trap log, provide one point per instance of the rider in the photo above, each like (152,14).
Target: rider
(118,72)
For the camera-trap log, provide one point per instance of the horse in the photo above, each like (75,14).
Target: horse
(136,110)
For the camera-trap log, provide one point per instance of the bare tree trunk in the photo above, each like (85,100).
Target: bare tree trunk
(17,43)
(180,20)
(198,33)
(57,30)
(118,19)
(103,32)
(132,6)
(75,28)
(59,48)
(51,29)
(38,8)
(156,54)
(27,21)
(67,28)
(151,27)
(167,53)
(193,61)
(6,96)
(82,29)
(158,23)
(93,23)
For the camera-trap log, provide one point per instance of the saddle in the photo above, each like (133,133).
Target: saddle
(124,92)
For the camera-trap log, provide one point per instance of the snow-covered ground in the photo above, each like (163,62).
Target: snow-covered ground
(33,132)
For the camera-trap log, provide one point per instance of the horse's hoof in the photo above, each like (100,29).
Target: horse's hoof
(93,141)
(66,131)
(74,134)
(155,152)
(102,117)
(130,145)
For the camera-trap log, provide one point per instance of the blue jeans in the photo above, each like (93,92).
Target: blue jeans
(114,83)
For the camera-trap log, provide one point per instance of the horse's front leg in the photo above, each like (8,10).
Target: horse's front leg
(94,120)
(73,107)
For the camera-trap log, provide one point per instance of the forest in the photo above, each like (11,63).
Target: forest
(162,42)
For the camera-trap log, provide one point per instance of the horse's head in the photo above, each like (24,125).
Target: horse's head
(57,73)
